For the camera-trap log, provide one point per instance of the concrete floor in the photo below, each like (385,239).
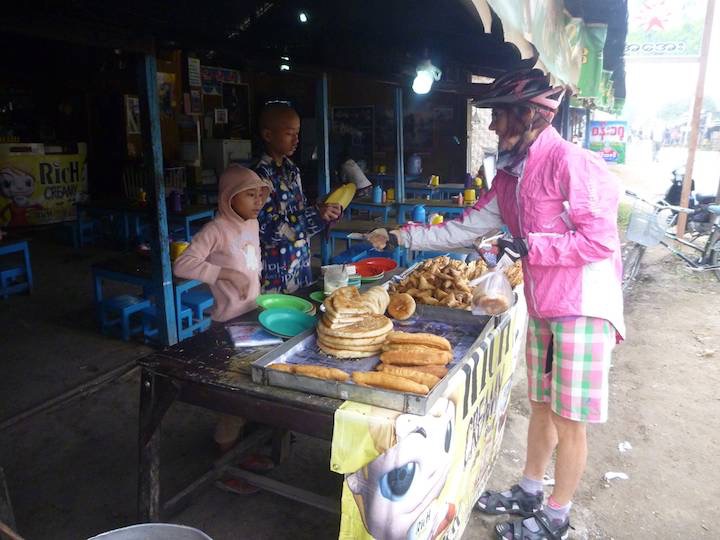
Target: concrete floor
(71,469)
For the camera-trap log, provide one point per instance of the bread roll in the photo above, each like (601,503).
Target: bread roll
(419,338)
(391,382)
(402,306)
(322,372)
(419,377)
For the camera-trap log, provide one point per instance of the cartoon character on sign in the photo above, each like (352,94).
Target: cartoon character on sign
(17,186)
(397,493)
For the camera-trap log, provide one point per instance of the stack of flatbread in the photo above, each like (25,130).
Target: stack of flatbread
(354,325)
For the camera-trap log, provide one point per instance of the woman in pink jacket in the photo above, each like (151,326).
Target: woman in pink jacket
(559,203)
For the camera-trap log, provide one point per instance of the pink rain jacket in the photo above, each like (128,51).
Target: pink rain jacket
(565,206)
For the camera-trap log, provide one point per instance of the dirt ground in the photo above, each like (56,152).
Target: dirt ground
(664,402)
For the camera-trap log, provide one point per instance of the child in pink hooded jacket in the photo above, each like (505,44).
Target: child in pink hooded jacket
(226,252)
(226,255)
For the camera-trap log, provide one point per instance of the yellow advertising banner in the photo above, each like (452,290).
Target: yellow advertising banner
(38,188)
(414,477)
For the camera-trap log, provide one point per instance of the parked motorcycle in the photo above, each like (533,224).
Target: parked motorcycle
(700,221)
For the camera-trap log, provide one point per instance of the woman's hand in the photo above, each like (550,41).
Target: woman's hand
(381,238)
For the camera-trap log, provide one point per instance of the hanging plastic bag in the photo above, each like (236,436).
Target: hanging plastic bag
(492,292)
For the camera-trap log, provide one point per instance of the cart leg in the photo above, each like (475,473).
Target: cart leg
(6,510)
(280,445)
(156,396)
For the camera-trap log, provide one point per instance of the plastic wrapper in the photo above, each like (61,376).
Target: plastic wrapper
(492,292)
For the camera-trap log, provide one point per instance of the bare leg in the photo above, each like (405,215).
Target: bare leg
(542,439)
(571,458)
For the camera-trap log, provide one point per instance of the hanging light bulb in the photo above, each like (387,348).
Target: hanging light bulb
(284,63)
(422,83)
(303,17)
(426,74)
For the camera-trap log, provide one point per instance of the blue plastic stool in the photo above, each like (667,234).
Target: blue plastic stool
(13,280)
(150,326)
(198,300)
(122,307)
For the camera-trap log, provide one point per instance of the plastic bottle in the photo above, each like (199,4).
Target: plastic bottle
(461,200)
(175,202)
(418,214)
(377,194)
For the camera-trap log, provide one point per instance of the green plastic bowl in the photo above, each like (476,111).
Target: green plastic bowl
(284,301)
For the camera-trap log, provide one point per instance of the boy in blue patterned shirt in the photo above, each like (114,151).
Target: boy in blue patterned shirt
(287,222)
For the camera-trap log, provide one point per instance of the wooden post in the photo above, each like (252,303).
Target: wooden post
(322,113)
(155,187)
(695,122)
(400,147)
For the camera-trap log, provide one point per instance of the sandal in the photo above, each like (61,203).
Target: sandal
(237,486)
(546,530)
(257,463)
(519,502)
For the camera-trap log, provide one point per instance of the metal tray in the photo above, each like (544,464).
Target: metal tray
(464,330)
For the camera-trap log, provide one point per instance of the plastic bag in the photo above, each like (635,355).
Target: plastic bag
(492,293)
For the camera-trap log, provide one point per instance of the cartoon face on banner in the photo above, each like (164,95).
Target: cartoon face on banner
(17,186)
(397,492)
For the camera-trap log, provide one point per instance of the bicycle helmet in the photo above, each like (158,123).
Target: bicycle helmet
(526,86)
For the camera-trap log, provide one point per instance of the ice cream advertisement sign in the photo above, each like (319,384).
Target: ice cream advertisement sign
(38,188)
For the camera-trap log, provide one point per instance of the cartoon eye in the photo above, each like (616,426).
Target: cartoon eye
(448,436)
(396,483)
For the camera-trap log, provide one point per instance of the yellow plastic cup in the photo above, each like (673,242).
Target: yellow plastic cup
(435,180)
(382,169)
(390,194)
(176,249)
(469,196)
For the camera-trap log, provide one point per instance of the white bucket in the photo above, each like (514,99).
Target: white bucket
(153,531)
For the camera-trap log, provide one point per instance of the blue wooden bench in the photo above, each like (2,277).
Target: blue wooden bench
(15,277)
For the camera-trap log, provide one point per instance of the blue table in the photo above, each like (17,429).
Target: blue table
(441,207)
(420,190)
(9,273)
(189,215)
(370,206)
(448,190)
(136,270)
(342,229)
(132,214)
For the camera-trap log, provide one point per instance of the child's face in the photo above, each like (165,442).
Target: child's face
(248,203)
(281,136)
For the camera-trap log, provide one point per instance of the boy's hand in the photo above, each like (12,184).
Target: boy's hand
(239,280)
(329,212)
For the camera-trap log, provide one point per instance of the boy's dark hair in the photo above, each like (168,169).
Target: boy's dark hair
(271,109)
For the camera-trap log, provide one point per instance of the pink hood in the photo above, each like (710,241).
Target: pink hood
(228,241)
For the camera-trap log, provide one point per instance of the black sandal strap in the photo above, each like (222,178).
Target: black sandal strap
(517,528)
(542,520)
(517,495)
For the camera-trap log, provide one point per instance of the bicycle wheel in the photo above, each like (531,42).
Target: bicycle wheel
(714,259)
(632,254)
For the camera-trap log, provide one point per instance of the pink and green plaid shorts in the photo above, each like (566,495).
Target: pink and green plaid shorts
(568,361)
